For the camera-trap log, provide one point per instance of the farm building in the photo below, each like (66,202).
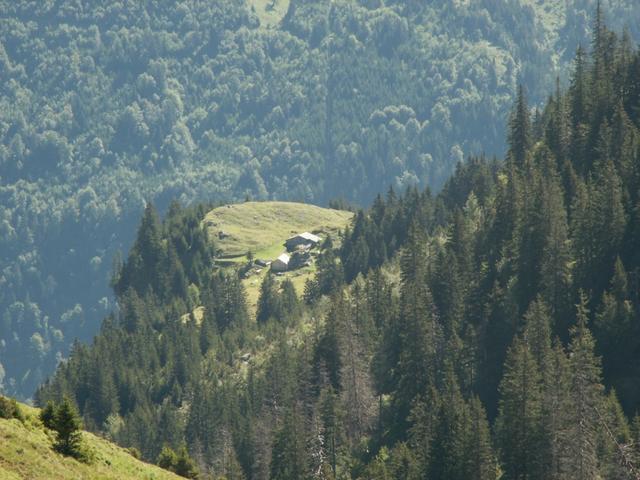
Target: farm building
(281,264)
(305,238)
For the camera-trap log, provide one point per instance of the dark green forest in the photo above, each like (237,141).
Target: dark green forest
(488,331)
(104,106)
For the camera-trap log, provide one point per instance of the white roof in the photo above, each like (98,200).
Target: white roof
(284,258)
(307,236)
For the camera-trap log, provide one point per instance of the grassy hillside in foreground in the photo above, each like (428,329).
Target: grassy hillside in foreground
(262,227)
(26,453)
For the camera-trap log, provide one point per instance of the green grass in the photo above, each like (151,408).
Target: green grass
(269,16)
(262,227)
(26,453)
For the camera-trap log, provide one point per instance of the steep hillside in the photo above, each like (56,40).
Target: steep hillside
(103,107)
(26,453)
(422,337)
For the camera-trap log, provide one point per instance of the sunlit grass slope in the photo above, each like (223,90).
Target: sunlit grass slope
(26,453)
(262,227)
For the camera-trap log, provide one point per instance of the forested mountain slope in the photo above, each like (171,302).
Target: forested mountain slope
(104,106)
(490,331)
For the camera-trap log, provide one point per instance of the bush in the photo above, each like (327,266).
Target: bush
(9,409)
(135,453)
(179,463)
(167,458)
(47,415)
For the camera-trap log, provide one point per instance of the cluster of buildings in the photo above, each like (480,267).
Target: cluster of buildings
(298,252)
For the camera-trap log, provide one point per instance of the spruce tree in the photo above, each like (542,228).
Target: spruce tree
(537,332)
(420,335)
(289,458)
(448,450)
(66,423)
(586,393)
(480,463)
(556,408)
(556,273)
(424,418)
(269,301)
(520,130)
(616,455)
(616,333)
(328,361)
(333,436)
(519,423)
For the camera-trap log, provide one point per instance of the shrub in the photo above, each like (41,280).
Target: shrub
(47,415)
(9,409)
(135,453)
(179,463)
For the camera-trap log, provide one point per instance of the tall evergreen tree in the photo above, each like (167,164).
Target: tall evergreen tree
(269,300)
(289,457)
(420,337)
(480,462)
(520,129)
(448,451)
(66,423)
(519,423)
(587,399)
(556,408)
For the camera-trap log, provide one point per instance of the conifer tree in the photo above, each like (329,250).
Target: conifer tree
(611,218)
(448,451)
(289,304)
(289,458)
(185,466)
(615,452)
(269,301)
(519,423)
(47,415)
(556,407)
(537,332)
(480,462)
(402,463)
(140,272)
(617,335)
(333,430)
(357,391)
(578,90)
(420,335)
(520,130)
(424,420)
(556,133)
(586,393)
(66,423)
(328,359)
(579,99)
(556,262)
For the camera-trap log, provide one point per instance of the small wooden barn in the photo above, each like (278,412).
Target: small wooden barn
(281,264)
